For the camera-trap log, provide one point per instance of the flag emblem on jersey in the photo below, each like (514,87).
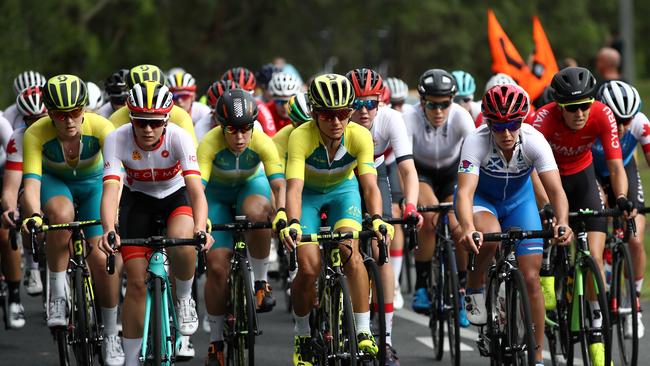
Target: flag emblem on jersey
(11,147)
(466,167)
(136,155)
(165,153)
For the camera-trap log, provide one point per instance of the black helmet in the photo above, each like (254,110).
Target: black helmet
(572,84)
(236,108)
(437,82)
(116,83)
(264,74)
(545,98)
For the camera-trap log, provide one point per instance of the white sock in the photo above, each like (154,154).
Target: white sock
(362,322)
(29,261)
(184,288)
(595,307)
(216,327)
(396,262)
(260,268)
(132,351)
(389,326)
(301,327)
(57,285)
(109,319)
(638,285)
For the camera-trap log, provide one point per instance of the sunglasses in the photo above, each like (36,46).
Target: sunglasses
(281,101)
(512,125)
(331,114)
(61,115)
(573,107)
(182,96)
(369,104)
(459,100)
(233,130)
(143,122)
(623,121)
(438,105)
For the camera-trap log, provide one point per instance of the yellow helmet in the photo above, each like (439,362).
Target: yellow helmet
(145,72)
(65,93)
(181,81)
(331,91)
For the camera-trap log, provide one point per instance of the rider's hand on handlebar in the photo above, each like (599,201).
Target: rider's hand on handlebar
(36,221)
(106,246)
(209,240)
(411,210)
(467,241)
(280,216)
(626,206)
(565,239)
(377,221)
(7,221)
(285,235)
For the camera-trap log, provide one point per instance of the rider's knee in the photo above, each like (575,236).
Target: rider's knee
(217,270)
(136,289)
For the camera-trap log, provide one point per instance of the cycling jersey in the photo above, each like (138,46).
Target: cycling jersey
(308,159)
(438,148)
(281,140)
(198,111)
(15,150)
(177,116)
(266,118)
(638,131)
(106,110)
(13,115)
(5,136)
(278,120)
(208,122)
(43,152)
(572,148)
(157,173)
(222,167)
(388,130)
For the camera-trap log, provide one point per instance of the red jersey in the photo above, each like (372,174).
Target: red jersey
(279,120)
(265,118)
(572,149)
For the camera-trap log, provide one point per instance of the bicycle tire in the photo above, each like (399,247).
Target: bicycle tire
(156,324)
(451,292)
(241,345)
(518,306)
(436,311)
(491,332)
(82,349)
(380,316)
(563,292)
(623,287)
(344,338)
(61,336)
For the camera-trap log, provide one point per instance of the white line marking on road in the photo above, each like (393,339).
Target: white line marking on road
(427,341)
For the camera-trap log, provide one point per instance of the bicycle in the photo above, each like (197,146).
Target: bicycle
(83,335)
(161,337)
(508,336)
(241,324)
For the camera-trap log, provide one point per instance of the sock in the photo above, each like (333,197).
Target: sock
(638,285)
(301,327)
(422,272)
(29,262)
(260,268)
(462,279)
(109,319)
(57,285)
(14,291)
(396,261)
(184,288)
(131,351)
(389,323)
(216,327)
(597,322)
(362,322)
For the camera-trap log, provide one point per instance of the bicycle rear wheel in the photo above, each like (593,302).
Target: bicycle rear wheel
(452,303)
(519,321)
(379,316)
(588,333)
(623,307)
(344,339)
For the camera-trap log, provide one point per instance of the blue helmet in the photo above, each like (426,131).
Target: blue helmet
(465,82)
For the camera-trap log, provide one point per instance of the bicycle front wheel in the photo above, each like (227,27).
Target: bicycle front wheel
(452,303)
(588,333)
(519,329)
(82,348)
(344,340)
(623,307)
(437,309)
(241,345)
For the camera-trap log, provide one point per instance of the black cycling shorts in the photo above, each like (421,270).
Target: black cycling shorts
(582,191)
(393,180)
(442,181)
(384,189)
(634,186)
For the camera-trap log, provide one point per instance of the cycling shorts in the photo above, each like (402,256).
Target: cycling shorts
(139,213)
(582,191)
(393,180)
(86,193)
(221,199)
(634,186)
(343,205)
(442,181)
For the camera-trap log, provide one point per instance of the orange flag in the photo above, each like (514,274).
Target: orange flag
(544,64)
(505,57)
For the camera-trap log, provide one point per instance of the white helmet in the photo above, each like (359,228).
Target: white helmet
(283,84)
(95,96)
(399,90)
(26,79)
(181,80)
(622,98)
(499,79)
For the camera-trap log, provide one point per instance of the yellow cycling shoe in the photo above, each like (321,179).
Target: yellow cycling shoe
(302,352)
(548,290)
(367,343)
(597,354)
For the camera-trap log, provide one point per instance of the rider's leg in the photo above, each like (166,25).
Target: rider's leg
(133,307)
(216,287)
(309,267)
(426,238)
(59,210)
(10,266)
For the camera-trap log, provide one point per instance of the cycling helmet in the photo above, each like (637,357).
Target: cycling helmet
(236,108)
(116,83)
(465,82)
(150,97)
(365,82)
(145,72)
(218,88)
(264,74)
(181,81)
(174,70)
(499,79)
(385,96)
(95,97)
(298,109)
(572,84)
(398,90)
(242,76)
(503,103)
(283,84)
(622,98)
(64,93)
(26,79)
(30,102)
(437,82)
(330,91)
(545,98)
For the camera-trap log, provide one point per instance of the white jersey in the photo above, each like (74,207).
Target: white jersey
(5,136)
(106,110)
(157,173)
(388,129)
(207,123)
(438,148)
(198,111)
(15,150)
(13,115)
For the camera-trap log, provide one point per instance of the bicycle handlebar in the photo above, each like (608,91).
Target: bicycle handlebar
(442,207)
(242,226)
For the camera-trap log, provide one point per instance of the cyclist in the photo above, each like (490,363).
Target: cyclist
(437,128)
(23,80)
(571,125)
(495,192)
(142,73)
(62,164)
(161,179)
(299,112)
(246,80)
(281,87)
(231,157)
(117,90)
(183,86)
(465,94)
(263,77)
(95,97)
(633,128)
(322,155)
(399,91)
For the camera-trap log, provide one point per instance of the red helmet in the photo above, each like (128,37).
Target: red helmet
(242,76)
(385,96)
(503,103)
(218,88)
(365,82)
